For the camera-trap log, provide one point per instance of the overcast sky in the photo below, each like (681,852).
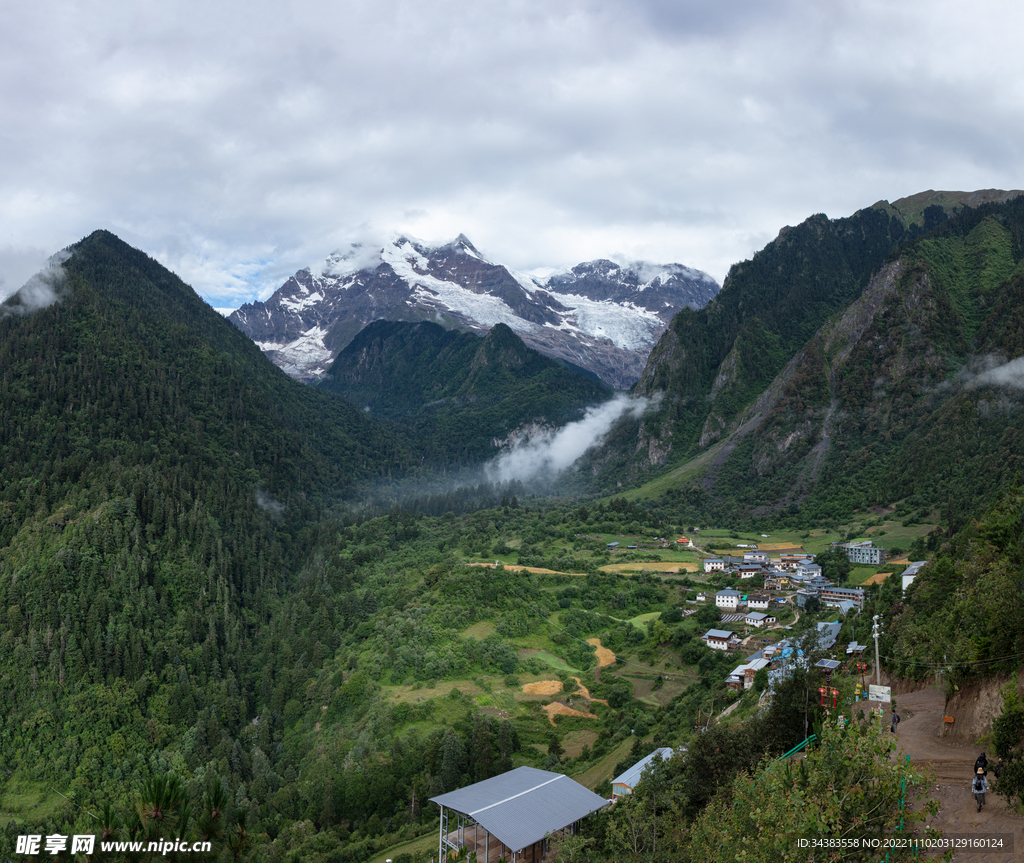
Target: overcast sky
(241,141)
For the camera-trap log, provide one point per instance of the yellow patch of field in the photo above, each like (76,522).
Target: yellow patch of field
(688,566)
(903,561)
(515,567)
(877,578)
(543,687)
(605,656)
(556,708)
(582,690)
(786,547)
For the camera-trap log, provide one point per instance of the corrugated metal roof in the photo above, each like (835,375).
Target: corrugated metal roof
(524,805)
(631,777)
(717,633)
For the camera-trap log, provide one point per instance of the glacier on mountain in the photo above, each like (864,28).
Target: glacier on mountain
(602,315)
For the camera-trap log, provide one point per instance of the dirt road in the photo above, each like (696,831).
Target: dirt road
(952,765)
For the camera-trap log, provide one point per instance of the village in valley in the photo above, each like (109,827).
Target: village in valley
(754,594)
(769,584)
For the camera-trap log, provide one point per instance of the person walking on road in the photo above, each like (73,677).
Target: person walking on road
(979,787)
(982,762)
(895,721)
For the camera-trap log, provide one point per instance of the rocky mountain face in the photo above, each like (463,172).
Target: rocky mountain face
(852,362)
(602,316)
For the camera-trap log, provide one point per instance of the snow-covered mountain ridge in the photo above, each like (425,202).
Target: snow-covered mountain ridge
(600,315)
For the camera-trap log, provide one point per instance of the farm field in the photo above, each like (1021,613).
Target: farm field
(515,567)
(605,657)
(688,566)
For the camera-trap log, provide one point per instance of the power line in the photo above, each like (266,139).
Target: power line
(954,664)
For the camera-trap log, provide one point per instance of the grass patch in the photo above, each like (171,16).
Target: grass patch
(605,768)
(424,844)
(858,574)
(406,694)
(29,801)
(479,630)
(642,620)
(574,741)
(547,658)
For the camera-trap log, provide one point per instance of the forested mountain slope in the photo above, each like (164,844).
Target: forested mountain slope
(459,394)
(182,608)
(132,366)
(896,395)
(161,485)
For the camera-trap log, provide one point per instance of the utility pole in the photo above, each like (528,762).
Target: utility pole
(878,667)
(875,633)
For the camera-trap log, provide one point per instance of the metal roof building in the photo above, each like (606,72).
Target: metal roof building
(627,780)
(518,809)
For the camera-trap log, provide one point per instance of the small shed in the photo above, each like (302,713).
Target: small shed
(625,782)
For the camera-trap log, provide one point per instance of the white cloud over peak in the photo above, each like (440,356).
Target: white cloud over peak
(239,142)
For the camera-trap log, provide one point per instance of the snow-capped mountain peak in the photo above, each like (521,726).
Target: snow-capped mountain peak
(601,315)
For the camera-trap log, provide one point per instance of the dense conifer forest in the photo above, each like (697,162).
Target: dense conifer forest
(204,614)
(455,392)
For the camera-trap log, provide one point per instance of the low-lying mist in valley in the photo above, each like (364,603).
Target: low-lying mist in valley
(531,465)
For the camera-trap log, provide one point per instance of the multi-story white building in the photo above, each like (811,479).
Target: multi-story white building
(863,552)
(720,639)
(835,595)
(728,599)
(808,570)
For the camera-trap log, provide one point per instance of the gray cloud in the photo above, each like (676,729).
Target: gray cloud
(1000,374)
(42,289)
(239,142)
(265,502)
(546,455)
(18,265)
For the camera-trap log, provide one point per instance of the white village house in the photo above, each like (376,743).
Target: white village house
(727,599)
(720,639)
(758,619)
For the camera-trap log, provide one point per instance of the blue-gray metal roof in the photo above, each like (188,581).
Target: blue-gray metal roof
(717,633)
(827,634)
(630,777)
(524,805)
